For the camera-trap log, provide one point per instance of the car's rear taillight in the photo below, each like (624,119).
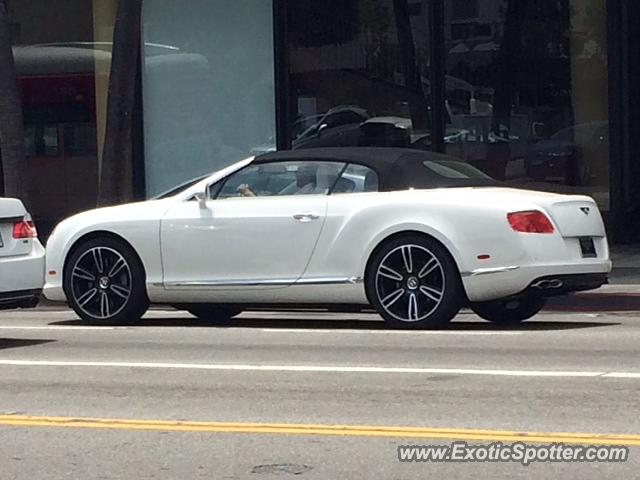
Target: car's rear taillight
(531,221)
(24,229)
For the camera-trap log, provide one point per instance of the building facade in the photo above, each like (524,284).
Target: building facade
(536,93)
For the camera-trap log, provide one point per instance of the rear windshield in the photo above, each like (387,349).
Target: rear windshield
(453,169)
(435,171)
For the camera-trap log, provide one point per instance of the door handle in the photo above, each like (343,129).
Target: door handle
(306,217)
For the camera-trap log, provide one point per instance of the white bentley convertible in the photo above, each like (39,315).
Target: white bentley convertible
(415,235)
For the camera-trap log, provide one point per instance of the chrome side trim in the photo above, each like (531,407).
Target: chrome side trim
(330,281)
(489,271)
(16,299)
(230,283)
(266,283)
(11,219)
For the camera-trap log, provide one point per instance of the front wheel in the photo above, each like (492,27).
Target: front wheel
(509,311)
(104,281)
(413,283)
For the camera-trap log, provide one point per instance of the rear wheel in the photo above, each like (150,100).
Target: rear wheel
(509,311)
(105,282)
(413,283)
(214,314)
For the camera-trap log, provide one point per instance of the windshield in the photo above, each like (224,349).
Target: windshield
(180,188)
(216,175)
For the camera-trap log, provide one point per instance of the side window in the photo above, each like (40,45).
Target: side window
(282,178)
(357,179)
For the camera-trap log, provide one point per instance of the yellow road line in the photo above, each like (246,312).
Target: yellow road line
(324,430)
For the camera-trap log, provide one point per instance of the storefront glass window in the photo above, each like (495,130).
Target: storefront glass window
(527,93)
(208,79)
(62,52)
(359,73)
(526,84)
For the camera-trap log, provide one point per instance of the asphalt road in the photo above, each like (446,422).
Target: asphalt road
(309,395)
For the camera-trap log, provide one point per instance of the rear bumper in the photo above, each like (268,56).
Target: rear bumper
(516,280)
(556,285)
(23,272)
(20,299)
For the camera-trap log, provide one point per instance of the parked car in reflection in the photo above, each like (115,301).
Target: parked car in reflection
(374,132)
(576,154)
(332,119)
(336,127)
(21,257)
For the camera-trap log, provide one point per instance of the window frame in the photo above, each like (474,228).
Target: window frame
(346,167)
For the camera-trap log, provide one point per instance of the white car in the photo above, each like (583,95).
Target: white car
(21,257)
(420,236)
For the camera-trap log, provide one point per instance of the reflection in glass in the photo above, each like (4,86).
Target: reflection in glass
(526,84)
(360,77)
(529,100)
(208,86)
(62,72)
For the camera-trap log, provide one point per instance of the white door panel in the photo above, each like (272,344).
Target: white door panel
(263,242)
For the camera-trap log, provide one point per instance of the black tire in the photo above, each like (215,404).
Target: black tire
(423,301)
(213,314)
(104,282)
(509,311)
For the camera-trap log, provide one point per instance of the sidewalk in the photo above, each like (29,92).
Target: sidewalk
(622,293)
(609,298)
(626,265)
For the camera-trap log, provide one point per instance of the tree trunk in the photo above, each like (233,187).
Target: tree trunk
(116,169)
(410,68)
(12,154)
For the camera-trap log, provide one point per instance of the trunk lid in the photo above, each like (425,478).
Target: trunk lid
(573,215)
(577,218)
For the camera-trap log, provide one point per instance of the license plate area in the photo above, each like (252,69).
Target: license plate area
(588,247)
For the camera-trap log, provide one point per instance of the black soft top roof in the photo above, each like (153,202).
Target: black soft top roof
(397,168)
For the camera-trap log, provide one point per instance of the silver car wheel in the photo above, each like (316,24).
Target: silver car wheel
(101,283)
(410,283)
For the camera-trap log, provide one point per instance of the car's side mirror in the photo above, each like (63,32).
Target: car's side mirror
(202,199)
(322,128)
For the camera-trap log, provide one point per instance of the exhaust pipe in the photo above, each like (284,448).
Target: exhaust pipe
(548,284)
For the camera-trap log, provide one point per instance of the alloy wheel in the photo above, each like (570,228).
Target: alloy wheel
(410,283)
(101,282)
